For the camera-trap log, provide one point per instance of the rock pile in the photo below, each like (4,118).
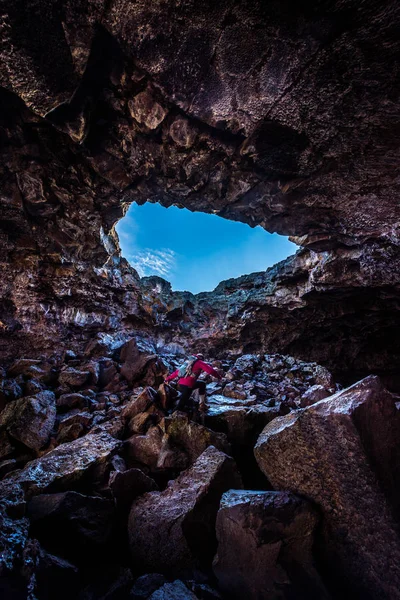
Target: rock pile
(109,492)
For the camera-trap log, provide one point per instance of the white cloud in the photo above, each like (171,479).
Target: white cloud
(153,262)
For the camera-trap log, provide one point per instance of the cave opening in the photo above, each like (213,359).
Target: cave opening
(195,251)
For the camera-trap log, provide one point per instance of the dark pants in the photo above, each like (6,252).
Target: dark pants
(184,401)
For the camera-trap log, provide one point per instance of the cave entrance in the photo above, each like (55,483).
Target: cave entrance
(194,251)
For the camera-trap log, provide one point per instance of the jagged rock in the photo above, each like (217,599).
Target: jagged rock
(265,541)
(144,449)
(176,590)
(128,485)
(341,453)
(9,390)
(145,585)
(71,523)
(32,387)
(6,447)
(55,577)
(234,390)
(69,465)
(134,359)
(163,525)
(14,528)
(6,466)
(108,583)
(314,394)
(241,420)
(191,437)
(68,401)
(72,377)
(139,404)
(30,420)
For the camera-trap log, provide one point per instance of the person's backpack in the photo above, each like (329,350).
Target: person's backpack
(185,370)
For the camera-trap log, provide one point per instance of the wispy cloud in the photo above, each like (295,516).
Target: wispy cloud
(153,262)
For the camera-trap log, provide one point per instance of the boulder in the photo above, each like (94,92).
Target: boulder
(108,583)
(71,523)
(72,377)
(69,466)
(176,590)
(173,531)
(264,546)
(55,577)
(241,420)
(14,528)
(9,390)
(134,359)
(75,400)
(6,447)
(343,453)
(145,585)
(128,485)
(191,437)
(30,420)
(144,450)
(314,394)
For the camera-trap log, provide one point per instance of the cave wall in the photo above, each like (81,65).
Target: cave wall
(282,114)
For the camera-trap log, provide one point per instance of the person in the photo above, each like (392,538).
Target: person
(187,376)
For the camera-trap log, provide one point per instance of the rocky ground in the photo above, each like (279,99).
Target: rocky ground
(108,492)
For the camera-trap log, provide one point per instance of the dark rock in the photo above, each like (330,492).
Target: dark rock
(176,590)
(314,394)
(191,437)
(72,377)
(55,577)
(128,485)
(32,387)
(134,360)
(30,420)
(265,541)
(71,465)
(341,453)
(173,530)
(145,585)
(13,530)
(72,524)
(6,466)
(67,401)
(109,583)
(9,390)
(6,447)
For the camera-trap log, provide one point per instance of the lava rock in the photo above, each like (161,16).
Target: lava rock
(173,530)
(264,546)
(30,420)
(176,590)
(145,585)
(72,377)
(335,452)
(128,485)
(71,523)
(70,465)
(314,394)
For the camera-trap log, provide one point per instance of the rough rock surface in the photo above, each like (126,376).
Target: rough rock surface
(343,453)
(265,546)
(68,465)
(173,531)
(271,114)
(30,420)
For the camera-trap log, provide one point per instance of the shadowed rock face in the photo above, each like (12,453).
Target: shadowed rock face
(338,453)
(281,114)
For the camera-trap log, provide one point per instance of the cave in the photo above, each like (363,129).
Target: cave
(277,114)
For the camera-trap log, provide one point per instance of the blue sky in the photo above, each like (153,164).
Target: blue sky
(195,251)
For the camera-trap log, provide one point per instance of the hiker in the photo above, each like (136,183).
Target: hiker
(187,383)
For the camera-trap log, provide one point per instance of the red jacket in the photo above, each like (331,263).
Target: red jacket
(197,368)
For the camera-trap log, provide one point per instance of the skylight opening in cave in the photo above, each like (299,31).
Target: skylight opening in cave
(194,251)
